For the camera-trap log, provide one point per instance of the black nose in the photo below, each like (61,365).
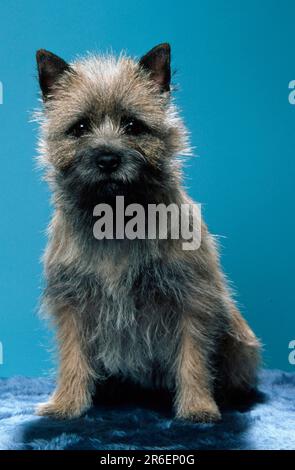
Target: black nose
(108,163)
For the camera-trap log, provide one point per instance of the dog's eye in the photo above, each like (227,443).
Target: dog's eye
(133,126)
(80,128)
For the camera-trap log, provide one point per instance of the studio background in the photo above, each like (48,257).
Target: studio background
(233,61)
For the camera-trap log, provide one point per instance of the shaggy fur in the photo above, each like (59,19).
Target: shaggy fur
(143,310)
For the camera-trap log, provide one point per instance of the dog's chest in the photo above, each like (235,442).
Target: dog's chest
(137,325)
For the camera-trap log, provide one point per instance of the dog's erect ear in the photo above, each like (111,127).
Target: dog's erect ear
(50,68)
(157,63)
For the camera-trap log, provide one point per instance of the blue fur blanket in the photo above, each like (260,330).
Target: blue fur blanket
(269,424)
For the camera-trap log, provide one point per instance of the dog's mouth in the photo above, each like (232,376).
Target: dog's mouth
(112,187)
(89,181)
(116,182)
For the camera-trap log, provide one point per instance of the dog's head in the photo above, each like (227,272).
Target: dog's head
(109,123)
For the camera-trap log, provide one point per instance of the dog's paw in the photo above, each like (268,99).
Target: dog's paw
(200,414)
(61,409)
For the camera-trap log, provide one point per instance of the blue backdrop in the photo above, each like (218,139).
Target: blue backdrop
(234,61)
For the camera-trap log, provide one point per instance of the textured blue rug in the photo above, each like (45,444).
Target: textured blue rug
(267,425)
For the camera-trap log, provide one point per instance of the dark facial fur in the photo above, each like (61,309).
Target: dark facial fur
(144,309)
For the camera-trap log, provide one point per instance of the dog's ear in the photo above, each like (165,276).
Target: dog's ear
(50,68)
(157,63)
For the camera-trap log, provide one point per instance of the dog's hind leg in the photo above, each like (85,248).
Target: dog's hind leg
(240,355)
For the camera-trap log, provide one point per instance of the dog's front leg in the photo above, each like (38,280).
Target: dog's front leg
(194,398)
(73,394)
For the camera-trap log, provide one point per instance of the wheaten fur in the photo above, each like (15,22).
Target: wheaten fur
(144,310)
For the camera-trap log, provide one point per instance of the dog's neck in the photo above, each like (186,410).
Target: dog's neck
(79,220)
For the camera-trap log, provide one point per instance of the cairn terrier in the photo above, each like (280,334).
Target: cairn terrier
(142,310)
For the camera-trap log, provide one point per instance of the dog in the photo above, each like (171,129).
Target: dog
(142,310)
